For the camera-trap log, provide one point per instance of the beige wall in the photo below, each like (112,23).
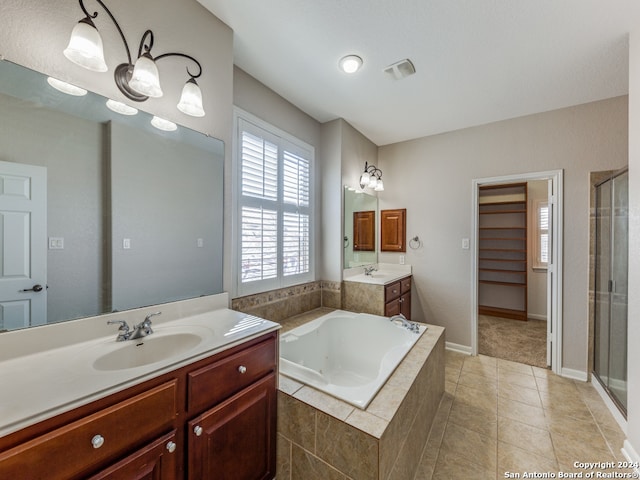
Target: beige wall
(432,178)
(633,359)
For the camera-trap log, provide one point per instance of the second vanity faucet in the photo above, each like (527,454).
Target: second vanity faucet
(139,331)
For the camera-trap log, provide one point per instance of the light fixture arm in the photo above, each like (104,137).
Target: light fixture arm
(90,18)
(371,171)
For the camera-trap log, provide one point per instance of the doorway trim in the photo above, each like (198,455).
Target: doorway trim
(554,271)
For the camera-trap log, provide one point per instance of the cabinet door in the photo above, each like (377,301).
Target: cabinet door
(156,461)
(393,224)
(364,231)
(392,308)
(405,305)
(235,440)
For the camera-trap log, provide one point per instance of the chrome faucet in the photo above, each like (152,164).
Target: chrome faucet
(402,320)
(143,328)
(370,270)
(123,331)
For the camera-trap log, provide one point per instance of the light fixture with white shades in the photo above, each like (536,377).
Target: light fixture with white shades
(65,87)
(372,178)
(138,80)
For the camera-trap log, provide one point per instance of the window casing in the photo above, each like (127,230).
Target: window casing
(273,208)
(541,232)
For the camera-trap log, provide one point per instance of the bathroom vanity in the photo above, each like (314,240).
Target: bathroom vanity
(193,418)
(386,291)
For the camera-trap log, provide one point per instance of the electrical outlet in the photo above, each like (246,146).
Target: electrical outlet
(401,259)
(465,243)
(126,243)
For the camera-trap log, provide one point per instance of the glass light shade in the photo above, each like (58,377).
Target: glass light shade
(145,78)
(379,186)
(373,182)
(364,180)
(191,99)
(65,87)
(85,47)
(121,108)
(162,124)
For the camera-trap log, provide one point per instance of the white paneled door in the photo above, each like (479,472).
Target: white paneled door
(23,245)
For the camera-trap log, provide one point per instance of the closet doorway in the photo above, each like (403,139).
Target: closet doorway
(517,281)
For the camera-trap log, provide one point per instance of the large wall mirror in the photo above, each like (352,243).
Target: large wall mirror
(100,212)
(357,216)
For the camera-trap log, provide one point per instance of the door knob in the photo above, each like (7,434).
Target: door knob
(35,288)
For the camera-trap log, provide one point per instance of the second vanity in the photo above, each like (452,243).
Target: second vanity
(199,402)
(385,291)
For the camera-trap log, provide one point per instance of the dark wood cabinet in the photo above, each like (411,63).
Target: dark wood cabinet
(140,433)
(397,298)
(364,231)
(393,226)
(235,439)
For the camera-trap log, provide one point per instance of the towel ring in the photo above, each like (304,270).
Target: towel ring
(346,241)
(415,243)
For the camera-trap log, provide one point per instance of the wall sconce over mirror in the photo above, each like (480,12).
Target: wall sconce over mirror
(372,178)
(139,80)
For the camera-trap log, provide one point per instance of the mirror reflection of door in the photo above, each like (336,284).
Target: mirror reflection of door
(364,233)
(23,253)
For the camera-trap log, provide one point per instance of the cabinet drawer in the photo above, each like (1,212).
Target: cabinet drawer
(405,285)
(391,291)
(76,449)
(219,380)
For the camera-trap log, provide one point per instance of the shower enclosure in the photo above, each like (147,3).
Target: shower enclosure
(611,255)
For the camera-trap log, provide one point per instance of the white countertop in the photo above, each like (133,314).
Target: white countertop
(43,384)
(386,273)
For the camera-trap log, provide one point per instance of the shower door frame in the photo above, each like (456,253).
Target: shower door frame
(621,408)
(554,269)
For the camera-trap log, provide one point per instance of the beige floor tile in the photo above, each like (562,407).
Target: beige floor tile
(536,440)
(515,367)
(522,412)
(529,396)
(477,419)
(470,379)
(515,378)
(518,460)
(568,451)
(477,397)
(469,447)
(480,366)
(449,467)
(451,374)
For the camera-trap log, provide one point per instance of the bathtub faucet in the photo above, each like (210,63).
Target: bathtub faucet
(400,319)
(370,270)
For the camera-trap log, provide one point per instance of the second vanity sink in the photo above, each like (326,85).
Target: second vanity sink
(136,353)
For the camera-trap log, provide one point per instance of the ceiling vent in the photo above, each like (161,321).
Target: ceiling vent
(401,69)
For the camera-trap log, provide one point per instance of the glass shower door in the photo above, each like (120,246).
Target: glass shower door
(612,221)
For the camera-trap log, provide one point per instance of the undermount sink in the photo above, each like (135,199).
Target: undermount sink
(147,350)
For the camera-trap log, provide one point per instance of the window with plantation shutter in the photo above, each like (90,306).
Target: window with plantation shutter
(541,235)
(274,208)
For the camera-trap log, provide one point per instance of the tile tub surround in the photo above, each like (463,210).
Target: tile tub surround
(277,305)
(362,297)
(322,437)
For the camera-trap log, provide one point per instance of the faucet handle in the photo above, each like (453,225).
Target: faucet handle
(147,319)
(123,325)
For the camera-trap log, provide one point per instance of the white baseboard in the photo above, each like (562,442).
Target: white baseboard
(574,374)
(454,347)
(537,316)
(609,404)
(631,455)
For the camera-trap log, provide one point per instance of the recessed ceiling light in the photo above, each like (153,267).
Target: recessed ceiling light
(350,63)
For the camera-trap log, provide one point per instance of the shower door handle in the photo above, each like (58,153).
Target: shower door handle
(612,286)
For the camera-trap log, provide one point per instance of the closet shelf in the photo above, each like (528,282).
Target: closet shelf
(504,284)
(503,228)
(503,238)
(507,202)
(500,212)
(501,270)
(503,250)
(502,312)
(502,260)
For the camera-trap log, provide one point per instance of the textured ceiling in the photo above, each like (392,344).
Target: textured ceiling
(477,61)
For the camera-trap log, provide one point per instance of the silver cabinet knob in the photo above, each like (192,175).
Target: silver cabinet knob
(242,369)
(197,430)
(97,441)
(171,447)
